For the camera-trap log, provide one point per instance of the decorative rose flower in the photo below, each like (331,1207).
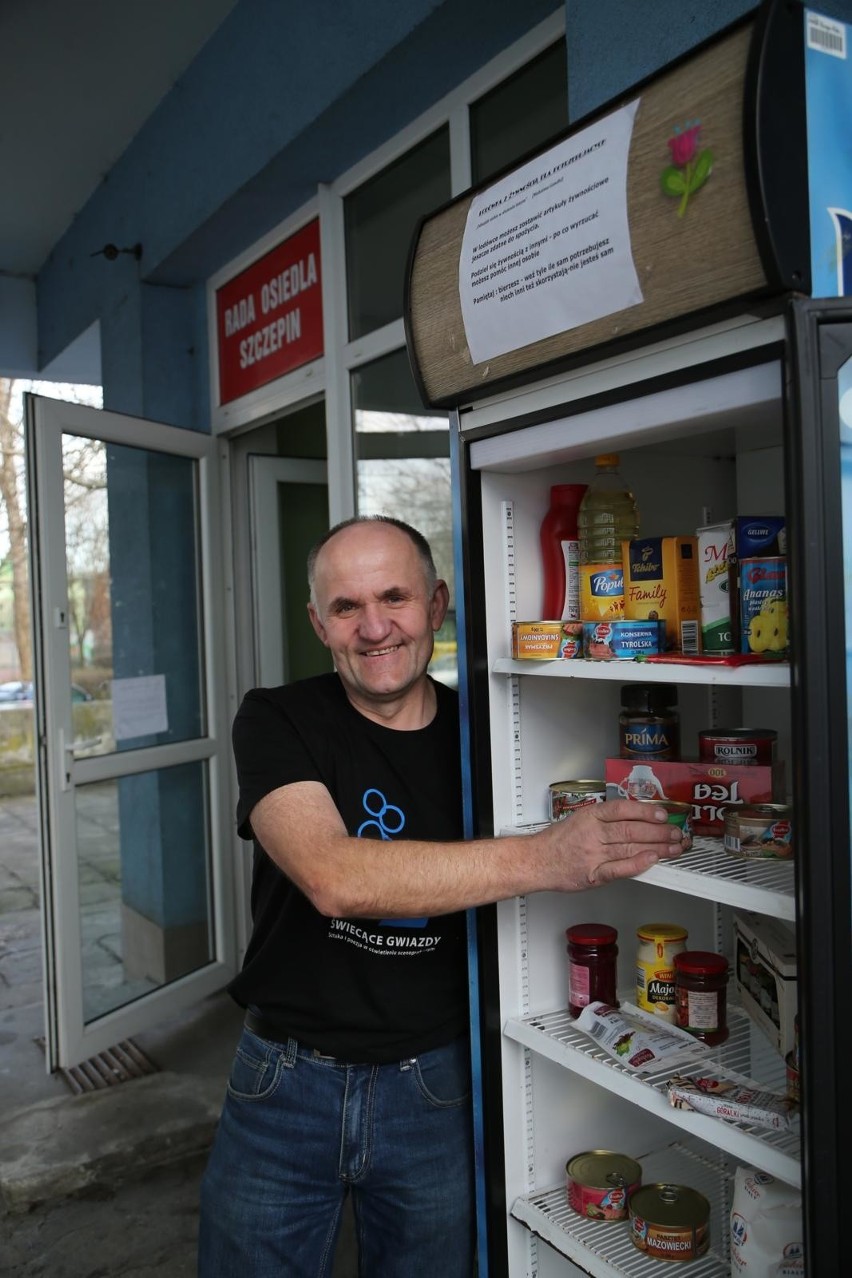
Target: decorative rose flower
(684,145)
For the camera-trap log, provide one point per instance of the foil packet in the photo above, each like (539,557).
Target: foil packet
(724,1099)
(636,1042)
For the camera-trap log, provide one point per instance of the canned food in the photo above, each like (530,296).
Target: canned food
(567,796)
(737,747)
(670,1222)
(623,640)
(547,640)
(679,814)
(757,831)
(600,1184)
(655,975)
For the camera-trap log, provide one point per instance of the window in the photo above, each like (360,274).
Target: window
(380,217)
(521,114)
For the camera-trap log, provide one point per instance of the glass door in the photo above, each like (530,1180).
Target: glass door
(130,713)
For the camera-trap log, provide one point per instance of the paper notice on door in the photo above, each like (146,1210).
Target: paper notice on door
(548,248)
(139,707)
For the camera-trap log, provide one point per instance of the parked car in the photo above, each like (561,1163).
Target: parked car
(22,690)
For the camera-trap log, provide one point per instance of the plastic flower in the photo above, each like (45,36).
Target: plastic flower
(690,168)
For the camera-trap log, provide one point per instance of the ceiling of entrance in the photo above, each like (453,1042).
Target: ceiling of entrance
(77,82)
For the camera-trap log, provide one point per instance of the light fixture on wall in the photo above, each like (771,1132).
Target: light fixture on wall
(111,252)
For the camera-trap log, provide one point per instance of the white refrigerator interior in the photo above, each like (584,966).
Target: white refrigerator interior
(699,446)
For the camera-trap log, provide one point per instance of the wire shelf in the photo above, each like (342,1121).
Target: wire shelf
(555,1036)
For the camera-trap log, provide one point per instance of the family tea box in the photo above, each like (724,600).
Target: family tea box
(661,583)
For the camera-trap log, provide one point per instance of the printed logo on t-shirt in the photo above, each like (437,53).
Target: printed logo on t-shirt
(384,820)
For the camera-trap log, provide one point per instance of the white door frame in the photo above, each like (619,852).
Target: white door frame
(69,1039)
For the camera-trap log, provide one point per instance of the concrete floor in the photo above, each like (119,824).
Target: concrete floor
(105,1183)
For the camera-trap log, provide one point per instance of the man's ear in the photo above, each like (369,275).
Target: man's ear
(319,628)
(440,604)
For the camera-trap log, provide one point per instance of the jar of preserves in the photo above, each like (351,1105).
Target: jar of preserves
(655,976)
(701,994)
(592,965)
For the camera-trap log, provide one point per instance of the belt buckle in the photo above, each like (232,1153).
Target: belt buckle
(321,1056)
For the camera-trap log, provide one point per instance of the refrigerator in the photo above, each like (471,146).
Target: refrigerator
(731,400)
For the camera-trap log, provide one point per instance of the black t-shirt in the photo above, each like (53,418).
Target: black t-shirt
(369,990)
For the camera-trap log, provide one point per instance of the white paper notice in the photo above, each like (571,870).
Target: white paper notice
(548,248)
(139,707)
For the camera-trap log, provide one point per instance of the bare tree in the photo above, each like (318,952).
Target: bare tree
(11,473)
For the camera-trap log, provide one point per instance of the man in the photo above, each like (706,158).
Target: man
(352,1075)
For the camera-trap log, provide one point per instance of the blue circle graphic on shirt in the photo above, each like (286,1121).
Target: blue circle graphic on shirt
(384,817)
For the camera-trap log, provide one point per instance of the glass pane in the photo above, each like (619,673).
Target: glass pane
(402,452)
(844,391)
(380,218)
(133,602)
(521,114)
(143,852)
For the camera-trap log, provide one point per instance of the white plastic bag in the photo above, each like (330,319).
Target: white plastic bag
(766,1227)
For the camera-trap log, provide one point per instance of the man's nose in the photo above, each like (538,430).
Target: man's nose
(374,620)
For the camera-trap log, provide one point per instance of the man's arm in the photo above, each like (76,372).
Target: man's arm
(302,831)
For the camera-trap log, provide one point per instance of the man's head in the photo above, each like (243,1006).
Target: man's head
(376,602)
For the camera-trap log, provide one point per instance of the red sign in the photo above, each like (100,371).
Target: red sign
(269,317)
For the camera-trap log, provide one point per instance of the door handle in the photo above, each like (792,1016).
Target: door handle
(67,750)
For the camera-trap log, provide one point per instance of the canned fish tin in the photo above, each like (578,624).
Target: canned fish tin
(759,831)
(600,1184)
(679,814)
(737,747)
(670,1222)
(623,640)
(567,796)
(655,975)
(547,640)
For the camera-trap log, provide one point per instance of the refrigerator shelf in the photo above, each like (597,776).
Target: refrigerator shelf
(707,870)
(605,1249)
(555,1036)
(772,675)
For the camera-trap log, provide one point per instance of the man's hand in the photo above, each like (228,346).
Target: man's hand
(606,841)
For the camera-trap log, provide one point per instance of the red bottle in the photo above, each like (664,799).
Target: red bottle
(560,554)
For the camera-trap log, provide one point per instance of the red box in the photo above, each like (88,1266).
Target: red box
(709,787)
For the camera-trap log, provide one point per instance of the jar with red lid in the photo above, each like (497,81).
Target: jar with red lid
(592,965)
(701,994)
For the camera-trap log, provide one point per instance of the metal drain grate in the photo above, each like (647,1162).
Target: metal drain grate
(116,1065)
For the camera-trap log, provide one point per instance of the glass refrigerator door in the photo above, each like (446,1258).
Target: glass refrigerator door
(820,500)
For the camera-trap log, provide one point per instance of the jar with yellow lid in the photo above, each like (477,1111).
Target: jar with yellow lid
(655,974)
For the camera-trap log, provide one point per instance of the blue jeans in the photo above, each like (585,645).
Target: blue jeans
(299,1132)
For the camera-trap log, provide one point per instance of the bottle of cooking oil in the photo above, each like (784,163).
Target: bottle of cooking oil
(607,517)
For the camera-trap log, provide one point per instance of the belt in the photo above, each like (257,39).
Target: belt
(274,1034)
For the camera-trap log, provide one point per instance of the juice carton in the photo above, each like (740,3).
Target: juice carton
(661,582)
(716,555)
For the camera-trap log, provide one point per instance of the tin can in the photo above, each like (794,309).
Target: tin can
(623,640)
(670,1222)
(759,831)
(547,640)
(737,747)
(600,1184)
(655,975)
(763,606)
(679,814)
(567,796)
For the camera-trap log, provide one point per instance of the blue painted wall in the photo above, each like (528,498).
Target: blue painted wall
(280,99)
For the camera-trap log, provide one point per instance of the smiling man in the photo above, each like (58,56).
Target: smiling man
(352,1073)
